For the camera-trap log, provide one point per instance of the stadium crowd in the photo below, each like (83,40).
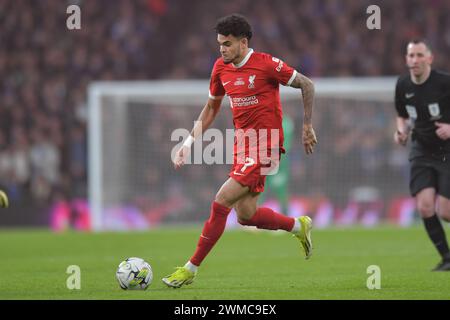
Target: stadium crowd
(46,69)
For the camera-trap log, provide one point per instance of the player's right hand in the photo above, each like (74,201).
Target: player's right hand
(181,156)
(401,138)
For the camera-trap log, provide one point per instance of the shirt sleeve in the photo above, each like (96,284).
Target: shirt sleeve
(447,83)
(216,89)
(399,104)
(280,71)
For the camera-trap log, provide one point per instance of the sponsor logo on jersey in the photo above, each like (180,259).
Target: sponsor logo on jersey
(244,102)
(225,83)
(280,63)
(239,82)
(409,95)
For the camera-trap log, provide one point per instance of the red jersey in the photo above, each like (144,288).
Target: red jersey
(253,89)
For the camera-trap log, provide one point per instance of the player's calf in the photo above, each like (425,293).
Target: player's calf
(266,218)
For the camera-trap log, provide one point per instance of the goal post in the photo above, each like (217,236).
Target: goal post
(130,181)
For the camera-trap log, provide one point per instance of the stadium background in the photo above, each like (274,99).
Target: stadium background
(46,70)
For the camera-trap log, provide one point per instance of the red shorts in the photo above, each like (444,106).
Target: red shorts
(253,173)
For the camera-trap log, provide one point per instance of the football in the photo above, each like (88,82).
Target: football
(134,274)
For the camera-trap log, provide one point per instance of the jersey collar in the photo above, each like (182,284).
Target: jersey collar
(241,64)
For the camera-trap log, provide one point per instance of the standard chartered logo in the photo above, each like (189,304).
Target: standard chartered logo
(244,102)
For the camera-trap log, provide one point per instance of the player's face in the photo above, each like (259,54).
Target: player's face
(231,48)
(418,58)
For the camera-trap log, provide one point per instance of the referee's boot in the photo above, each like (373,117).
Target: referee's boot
(444,265)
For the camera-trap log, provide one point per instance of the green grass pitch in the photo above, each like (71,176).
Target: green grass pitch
(243,265)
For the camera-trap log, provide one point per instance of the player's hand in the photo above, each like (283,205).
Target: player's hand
(181,156)
(401,138)
(443,130)
(309,138)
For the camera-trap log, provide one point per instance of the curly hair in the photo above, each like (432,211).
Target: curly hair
(234,24)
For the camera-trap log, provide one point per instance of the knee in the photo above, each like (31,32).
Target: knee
(425,208)
(243,213)
(244,216)
(222,199)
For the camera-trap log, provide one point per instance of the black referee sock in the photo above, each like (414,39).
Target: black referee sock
(437,235)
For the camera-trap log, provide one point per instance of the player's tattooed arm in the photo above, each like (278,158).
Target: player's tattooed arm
(307,87)
(308,136)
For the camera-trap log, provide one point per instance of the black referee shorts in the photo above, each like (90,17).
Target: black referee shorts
(430,171)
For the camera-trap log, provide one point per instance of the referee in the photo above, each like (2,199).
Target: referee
(422,100)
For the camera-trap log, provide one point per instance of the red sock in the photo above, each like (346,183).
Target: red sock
(211,232)
(266,218)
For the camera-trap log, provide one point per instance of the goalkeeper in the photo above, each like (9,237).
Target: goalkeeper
(279,183)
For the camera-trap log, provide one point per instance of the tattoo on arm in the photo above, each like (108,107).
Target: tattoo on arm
(307,87)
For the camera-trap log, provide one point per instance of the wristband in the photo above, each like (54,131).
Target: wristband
(189,141)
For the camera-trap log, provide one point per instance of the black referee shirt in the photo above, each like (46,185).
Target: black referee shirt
(425,104)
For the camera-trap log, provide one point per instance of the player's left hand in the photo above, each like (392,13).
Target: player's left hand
(309,138)
(443,130)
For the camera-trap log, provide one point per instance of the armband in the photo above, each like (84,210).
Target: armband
(189,141)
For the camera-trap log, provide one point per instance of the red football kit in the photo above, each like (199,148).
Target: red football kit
(253,90)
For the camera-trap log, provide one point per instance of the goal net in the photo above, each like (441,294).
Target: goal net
(356,175)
